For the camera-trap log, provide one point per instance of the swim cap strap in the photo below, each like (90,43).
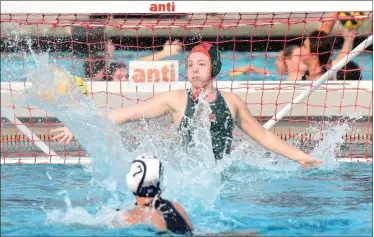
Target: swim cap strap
(150,191)
(144,174)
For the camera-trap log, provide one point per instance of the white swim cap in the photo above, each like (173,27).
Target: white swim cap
(145,176)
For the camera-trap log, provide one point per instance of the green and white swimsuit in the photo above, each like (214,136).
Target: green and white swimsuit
(222,124)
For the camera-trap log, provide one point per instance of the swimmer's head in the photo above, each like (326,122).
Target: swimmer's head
(94,68)
(204,64)
(145,176)
(317,47)
(118,72)
(289,60)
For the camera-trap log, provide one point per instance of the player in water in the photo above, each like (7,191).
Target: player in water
(228,110)
(318,49)
(145,180)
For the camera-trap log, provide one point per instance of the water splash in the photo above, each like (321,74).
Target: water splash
(79,216)
(55,90)
(328,142)
(328,147)
(192,176)
(199,167)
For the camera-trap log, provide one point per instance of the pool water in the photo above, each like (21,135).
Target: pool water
(282,203)
(15,66)
(246,191)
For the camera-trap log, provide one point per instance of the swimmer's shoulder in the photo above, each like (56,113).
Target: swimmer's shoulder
(233,100)
(176,98)
(177,93)
(229,95)
(172,94)
(178,206)
(158,221)
(132,216)
(129,218)
(140,216)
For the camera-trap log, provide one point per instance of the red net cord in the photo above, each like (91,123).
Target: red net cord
(257,65)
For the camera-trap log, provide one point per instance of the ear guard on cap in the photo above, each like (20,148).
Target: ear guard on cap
(145,176)
(215,58)
(216,67)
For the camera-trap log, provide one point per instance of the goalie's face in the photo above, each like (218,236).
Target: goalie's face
(198,69)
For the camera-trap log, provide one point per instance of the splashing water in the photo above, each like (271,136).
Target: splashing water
(76,216)
(199,159)
(327,148)
(192,176)
(54,90)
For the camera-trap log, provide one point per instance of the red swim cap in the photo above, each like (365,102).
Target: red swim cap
(212,52)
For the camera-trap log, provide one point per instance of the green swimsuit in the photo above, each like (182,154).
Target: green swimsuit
(222,124)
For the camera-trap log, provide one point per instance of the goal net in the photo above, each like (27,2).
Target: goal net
(261,53)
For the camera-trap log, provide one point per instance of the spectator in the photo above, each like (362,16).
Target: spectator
(100,62)
(118,72)
(95,68)
(289,63)
(317,53)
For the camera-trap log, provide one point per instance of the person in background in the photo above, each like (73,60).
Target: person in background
(289,63)
(243,70)
(95,67)
(118,72)
(145,180)
(98,67)
(317,54)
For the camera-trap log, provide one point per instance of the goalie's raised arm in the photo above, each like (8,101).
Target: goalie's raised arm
(155,107)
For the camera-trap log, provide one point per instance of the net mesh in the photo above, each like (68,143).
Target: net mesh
(87,45)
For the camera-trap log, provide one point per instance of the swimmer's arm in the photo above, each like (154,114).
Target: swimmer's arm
(249,68)
(154,57)
(181,210)
(158,222)
(347,45)
(329,24)
(250,126)
(152,108)
(168,50)
(127,218)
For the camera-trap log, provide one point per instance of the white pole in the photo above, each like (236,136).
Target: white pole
(319,82)
(8,114)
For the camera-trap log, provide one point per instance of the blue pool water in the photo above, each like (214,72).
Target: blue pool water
(282,203)
(13,67)
(243,192)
